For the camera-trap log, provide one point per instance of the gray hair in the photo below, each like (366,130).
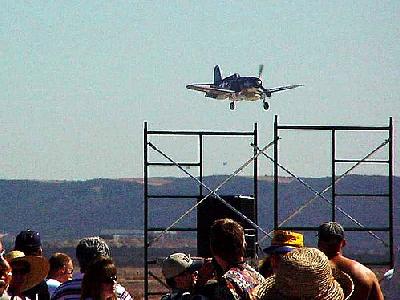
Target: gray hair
(90,248)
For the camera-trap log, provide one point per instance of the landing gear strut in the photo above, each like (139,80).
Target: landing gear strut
(232,105)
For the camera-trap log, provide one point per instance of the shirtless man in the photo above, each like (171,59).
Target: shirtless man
(331,241)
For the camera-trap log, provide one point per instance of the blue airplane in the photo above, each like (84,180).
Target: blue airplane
(237,88)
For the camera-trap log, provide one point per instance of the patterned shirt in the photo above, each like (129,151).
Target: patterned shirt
(238,282)
(71,290)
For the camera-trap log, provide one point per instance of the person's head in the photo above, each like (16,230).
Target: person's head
(99,280)
(265,267)
(284,241)
(61,267)
(331,238)
(180,271)
(28,241)
(305,273)
(5,273)
(227,241)
(90,248)
(27,271)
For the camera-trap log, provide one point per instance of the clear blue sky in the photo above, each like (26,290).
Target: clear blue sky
(78,78)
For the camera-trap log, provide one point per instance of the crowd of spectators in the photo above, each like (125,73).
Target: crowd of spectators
(288,271)
(26,275)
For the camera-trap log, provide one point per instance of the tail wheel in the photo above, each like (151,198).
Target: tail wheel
(265,105)
(232,105)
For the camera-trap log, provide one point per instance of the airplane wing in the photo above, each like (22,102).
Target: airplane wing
(282,88)
(210,90)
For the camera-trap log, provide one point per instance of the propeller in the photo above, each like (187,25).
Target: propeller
(266,92)
(260,70)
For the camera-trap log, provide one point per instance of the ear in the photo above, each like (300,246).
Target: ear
(343,243)
(64,270)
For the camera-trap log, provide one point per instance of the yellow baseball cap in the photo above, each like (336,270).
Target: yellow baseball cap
(285,241)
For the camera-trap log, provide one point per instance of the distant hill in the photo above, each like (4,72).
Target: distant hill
(73,209)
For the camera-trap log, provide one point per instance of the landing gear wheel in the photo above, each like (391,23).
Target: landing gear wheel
(265,105)
(232,105)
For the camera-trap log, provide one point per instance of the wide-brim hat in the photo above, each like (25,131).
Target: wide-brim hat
(38,268)
(305,273)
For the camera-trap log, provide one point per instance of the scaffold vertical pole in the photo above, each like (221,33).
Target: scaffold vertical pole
(391,191)
(333,177)
(255,173)
(276,223)
(145,194)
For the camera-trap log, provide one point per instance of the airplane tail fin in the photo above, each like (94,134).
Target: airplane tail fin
(217,75)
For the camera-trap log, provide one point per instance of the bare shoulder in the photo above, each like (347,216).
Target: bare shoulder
(357,270)
(365,280)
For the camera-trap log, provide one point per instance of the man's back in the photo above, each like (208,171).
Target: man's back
(366,285)
(238,281)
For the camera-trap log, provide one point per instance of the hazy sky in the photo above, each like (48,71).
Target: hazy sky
(79,78)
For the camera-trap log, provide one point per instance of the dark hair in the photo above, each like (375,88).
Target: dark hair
(330,232)
(90,248)
(101,270)
(227,240)
(58,260)
(265,267)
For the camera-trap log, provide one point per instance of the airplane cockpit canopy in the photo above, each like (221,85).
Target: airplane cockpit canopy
(234,76)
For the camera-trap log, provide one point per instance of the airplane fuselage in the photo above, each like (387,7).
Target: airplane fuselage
(237,83)
(245,88)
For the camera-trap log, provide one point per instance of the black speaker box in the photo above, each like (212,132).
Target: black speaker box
(212,209)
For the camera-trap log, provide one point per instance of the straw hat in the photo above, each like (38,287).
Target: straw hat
(305,273)
(38,267)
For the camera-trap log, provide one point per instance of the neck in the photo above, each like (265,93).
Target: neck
(226,265)
(332,254)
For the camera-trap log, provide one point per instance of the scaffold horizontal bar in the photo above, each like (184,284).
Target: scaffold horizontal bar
(367,229)
(316,127)
(183,164)
(361,195)
(379,263)
(173,196)
(173,229)
(345,229)
(371,161)
(152,262)
(196,133)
